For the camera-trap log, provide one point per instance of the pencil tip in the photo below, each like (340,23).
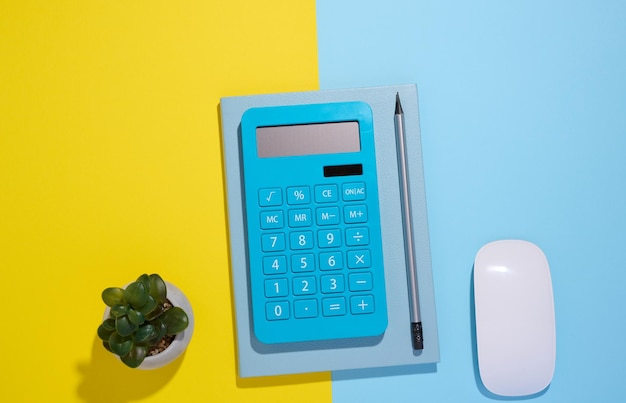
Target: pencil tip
(398,104)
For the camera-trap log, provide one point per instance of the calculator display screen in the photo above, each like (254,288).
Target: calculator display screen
(308,139)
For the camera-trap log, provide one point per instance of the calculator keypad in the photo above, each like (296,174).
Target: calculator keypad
(315,246)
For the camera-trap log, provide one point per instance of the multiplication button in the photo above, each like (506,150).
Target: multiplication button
(358,259)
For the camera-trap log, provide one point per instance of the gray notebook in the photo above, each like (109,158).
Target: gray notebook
(393,347)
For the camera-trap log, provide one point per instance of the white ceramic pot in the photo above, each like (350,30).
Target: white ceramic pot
(182,339)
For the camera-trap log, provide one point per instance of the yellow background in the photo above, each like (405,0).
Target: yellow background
(110,166)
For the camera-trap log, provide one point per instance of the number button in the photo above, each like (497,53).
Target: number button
(270,197)
(298,195)
(301,240)
(276,288)
(273,242)
(331,261)
(302,263)
(359,259)
(304,286)
(332,283)
(326,193)
(305,308)
(329,238)
(277,310)
(274,265)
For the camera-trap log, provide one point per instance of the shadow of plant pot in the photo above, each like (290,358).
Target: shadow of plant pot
(182,339)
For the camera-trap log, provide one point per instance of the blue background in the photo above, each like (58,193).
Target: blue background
(523,117)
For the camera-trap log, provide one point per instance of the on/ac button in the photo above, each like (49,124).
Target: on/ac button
(353,191)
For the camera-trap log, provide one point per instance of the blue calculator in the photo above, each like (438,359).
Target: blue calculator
(314,246)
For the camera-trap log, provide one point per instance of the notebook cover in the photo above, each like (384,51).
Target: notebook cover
(394,347)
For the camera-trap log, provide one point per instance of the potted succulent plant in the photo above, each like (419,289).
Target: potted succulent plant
(147,324)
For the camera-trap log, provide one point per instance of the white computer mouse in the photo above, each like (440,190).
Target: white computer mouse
(514,308)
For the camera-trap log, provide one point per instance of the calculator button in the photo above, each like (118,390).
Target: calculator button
(329,238)
(272,219)
(276,287)
(359,259)
(353,191)
(326,193)
(334,306)
(360,281)
(303,263)
(327,216)
(304,286)
(301,240)
(298,195)
(305,308)
(332,283)
(361,304)
(331,261)
(300,218)
(274,265)
(273,242)
(277,310)
(357,236)
(355,214)
(270,197)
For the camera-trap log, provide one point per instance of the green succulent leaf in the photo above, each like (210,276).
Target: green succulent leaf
(124,326)
(109,324)
(104,332)
(135,356)
(144,333)
(145,280)
(113,296)
(107,346)
(148,307)
(136,294)
(175,320)
(158,290)
(119,310)
(135,317)
(160,330)
(120,345)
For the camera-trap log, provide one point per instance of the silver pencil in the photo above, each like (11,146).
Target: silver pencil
(405,196)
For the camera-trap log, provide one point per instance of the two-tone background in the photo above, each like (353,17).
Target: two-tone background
(110,166)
